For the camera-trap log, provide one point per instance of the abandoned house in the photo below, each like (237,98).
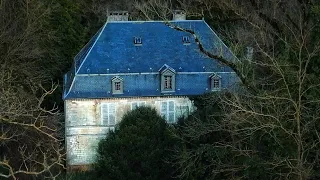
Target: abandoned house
(128,64)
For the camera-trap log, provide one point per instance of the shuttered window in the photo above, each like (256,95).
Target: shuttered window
(168,111)
(182,111)
(135,105)
(108,114)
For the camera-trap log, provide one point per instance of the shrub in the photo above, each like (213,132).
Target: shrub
(139,148)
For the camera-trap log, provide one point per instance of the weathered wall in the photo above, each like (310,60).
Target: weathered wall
(84,127)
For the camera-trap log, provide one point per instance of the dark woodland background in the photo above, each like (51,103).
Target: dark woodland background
(270,130)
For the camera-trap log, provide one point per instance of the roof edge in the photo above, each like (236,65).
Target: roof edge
(236,58)
(104,26)
(76,72)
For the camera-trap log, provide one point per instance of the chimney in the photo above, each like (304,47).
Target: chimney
(118,16)
(179,15)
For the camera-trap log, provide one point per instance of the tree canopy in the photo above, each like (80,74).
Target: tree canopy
(139,148)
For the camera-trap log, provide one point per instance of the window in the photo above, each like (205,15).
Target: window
(117,85)
(135,105)
(167,111)
(167,79)
(215,82)
(186,40)
(182,111)
(108,114)
(168,82)
(137,41)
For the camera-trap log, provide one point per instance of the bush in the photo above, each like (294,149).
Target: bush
(139,148)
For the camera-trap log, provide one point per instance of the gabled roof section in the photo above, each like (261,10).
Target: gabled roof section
(166,68)
(215,76)
(117,78)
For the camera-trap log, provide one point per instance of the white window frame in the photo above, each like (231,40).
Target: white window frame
(109,114)
(115,80)
(139,104)
(167,111)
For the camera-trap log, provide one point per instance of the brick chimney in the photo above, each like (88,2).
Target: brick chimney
(118,16)
(179,15)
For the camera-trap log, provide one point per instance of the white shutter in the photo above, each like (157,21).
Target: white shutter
(108,114)
(171,112)
(163,109)
(112,114)
(104,114)
(167,111)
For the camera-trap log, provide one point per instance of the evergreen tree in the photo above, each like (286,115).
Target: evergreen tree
(138,149)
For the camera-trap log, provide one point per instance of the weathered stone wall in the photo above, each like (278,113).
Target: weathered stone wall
(84,126)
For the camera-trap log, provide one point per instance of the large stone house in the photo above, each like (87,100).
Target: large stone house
(128,64)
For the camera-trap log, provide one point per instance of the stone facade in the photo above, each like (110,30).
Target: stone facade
(89,120)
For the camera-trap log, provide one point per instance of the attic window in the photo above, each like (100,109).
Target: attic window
(215,82)
(186,40)
(117,85)
(167,81)
(137,41)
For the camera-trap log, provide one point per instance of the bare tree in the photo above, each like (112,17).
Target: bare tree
(280,102)
(30,134)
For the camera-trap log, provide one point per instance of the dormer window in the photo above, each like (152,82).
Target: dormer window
(137,41)
(215,82)
(117,85)
(168,82)
(167,79)
(186,40)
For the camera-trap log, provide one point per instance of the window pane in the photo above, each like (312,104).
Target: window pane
(171,106)
(171,117)
(104,113)
(163,107)
(117,86)
(112,119)
(112,109)
(164,115)
(216,83)
(168,82)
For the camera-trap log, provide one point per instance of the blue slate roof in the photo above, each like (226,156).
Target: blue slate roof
(112,52)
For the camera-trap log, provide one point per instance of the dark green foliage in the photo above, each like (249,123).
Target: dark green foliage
(138,149)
